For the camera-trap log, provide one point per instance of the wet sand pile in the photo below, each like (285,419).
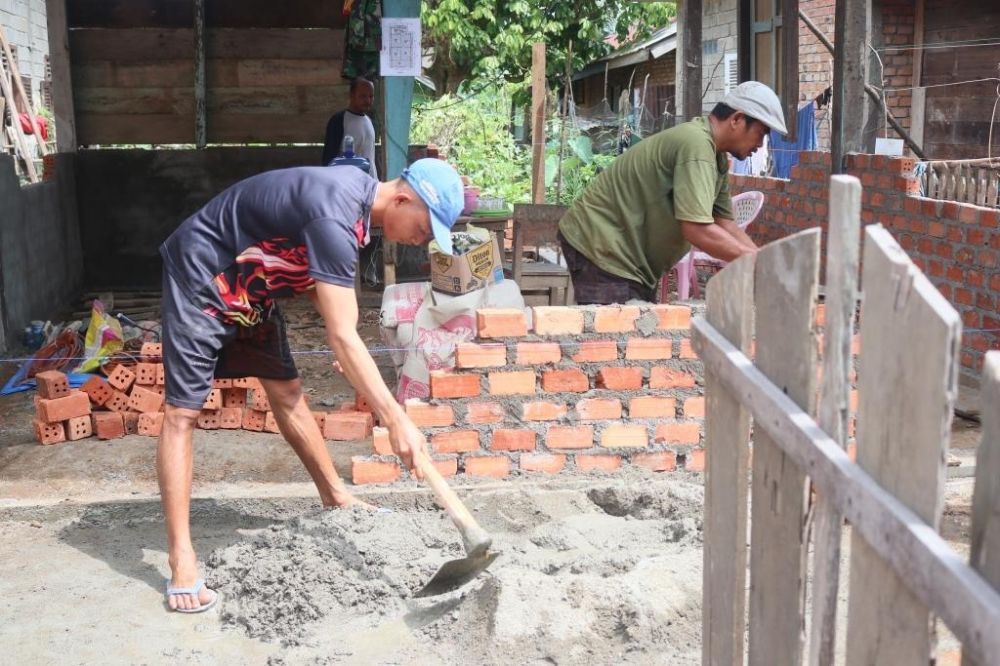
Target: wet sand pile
(610,574)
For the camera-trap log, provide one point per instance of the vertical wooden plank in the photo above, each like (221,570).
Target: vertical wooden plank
(843,248)
(850,65)
(985,554)
(785,289)
(907,382)
(15,127)
(918,103)
(727,436)
(200,126)
(62,82)
(538,123)
(15,76)
(690,23)
(790,65)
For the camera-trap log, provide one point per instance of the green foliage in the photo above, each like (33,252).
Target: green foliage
(474,132)
(492,40)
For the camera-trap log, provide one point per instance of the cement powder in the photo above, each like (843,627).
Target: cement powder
(610,574)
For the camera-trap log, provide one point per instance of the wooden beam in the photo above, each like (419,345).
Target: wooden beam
(790,65)
(966,602)
(744,38)
(200,124)
(15,75)
(843,243)
(850,59)
(15,125)
(918,100)
(690,25)
(538,123)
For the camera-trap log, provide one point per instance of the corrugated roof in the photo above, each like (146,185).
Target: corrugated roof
(659,43)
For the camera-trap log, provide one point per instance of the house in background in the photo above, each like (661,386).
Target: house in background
(24,23)
(646,71)
(920,44)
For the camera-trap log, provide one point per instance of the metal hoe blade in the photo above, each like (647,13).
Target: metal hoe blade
(456,573)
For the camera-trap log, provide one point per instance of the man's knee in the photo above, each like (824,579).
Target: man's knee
(283,394)
(180,418)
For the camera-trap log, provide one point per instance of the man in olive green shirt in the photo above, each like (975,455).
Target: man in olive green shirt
(667,193)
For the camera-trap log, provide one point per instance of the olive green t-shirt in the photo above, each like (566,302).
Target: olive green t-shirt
(626,221)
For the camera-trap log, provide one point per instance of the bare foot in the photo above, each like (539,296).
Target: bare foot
(184,574)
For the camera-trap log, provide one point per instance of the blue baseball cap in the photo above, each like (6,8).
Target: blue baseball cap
(439,186)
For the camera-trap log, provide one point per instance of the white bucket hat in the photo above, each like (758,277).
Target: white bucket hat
(754,99)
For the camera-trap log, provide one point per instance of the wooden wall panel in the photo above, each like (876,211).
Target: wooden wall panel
(957,118)
(218,13)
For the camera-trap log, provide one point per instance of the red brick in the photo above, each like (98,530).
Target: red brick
(52,384)
(446,466)
(543,462)
(109,425)
(484,412)
(677,433)
(552,320)
(97,389)
(570,437)
(150,425)
(512,439)
(380,441)
(79,427)
(425,415)
(619,379)
(118,402)
(49,433)
(650,407)
(234,397)
(569,379)
(541,410)
(615,318)
(245,382)
(496,467)
(658,461)
(145,374)
(538,353)
(596,409)
(131,420)
(230,418)
(144,400)
(458,441)
(258,400)
(662,377)
(687,350)
(450,385)
(472,355)
(596,351)
(361,404)
(209,419)
(695,460)
(600,463)
(348,426)
(222,384)
(501,323)
(649,349)
(365,470)
(621,435)
(160,375)
(151,352)
(271,424)
(694,407)
(214,400)
(121,378)
(76,403)
(253,420)
(672,317)
(518,382)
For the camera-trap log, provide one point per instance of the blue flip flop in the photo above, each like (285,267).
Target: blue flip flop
(194,589)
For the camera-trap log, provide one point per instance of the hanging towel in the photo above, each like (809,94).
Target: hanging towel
(786,153)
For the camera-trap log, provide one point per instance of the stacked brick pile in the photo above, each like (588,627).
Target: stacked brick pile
(587,388)
(130,401)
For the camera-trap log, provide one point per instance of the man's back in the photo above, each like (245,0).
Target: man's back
(626,221)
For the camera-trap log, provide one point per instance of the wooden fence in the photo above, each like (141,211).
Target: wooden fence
(975,183)
(903,575)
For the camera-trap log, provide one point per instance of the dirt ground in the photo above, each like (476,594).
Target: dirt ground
(594,569)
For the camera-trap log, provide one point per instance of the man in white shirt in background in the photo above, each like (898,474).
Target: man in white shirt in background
(353,121)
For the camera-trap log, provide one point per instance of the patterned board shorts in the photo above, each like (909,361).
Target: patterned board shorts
(593,286)
(197,348)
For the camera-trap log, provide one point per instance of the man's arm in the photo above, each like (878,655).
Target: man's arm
(734,230)
(716,240)
(339,309)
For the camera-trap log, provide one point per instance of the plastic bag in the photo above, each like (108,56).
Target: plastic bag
(104,338)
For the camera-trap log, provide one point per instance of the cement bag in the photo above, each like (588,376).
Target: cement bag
(441,322)
(400,303)
(104,338)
